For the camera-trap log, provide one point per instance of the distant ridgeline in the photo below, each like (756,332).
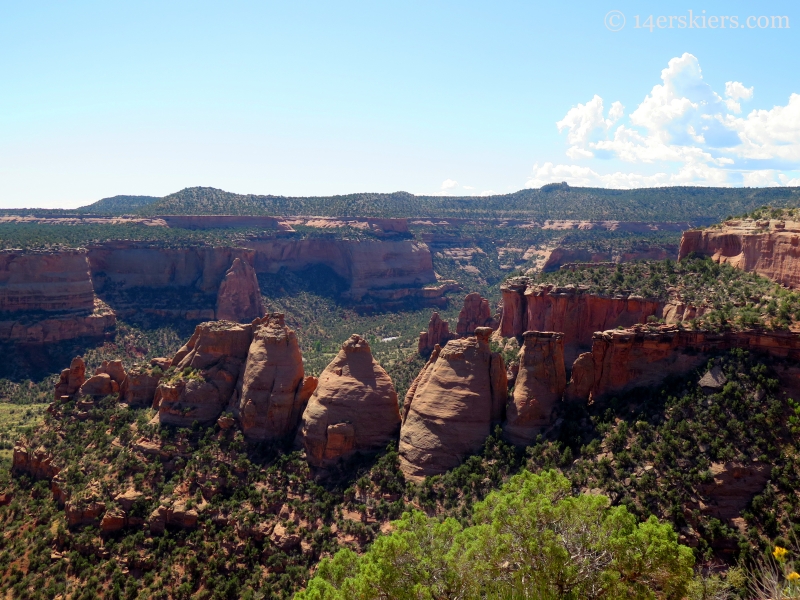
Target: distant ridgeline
(554,201)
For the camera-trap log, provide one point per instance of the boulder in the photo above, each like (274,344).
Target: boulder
(475,313)
(354,407)
(71,379)
(85,512)
(114,369)
(98,386)
(239,296)
(272,391)
(113,520)
(714,380)
(732,486)
(539,386)
(438,333)
(452,405)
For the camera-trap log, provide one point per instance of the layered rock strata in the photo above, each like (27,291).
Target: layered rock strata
(354,407)
(239,297)
(451,406)
(570,310)
(768,247)
(272,390)
(621,360)
(539,386)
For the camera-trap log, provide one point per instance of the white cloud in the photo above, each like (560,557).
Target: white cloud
(683,132)
(468,187)
(449,184)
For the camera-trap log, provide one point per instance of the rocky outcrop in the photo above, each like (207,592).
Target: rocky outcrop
(239,297)
(475,313)
(207,369)
(438,334)
(569,257)
(33,329)
(731,488)
(539,386)
(770,247)
(451,406)
(621,360)
(36,463)
(354,407)
(45,281)
(140,384)
(272,391)
(71,379)
(100,385)
(570,310)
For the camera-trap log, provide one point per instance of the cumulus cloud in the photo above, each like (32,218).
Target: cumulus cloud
(449,184)
(682,132)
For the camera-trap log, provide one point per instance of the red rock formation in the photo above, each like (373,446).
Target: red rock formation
(624,359)
(208,367)
(475,313)
(451,406)
(569,257)
(354,407)
(570,310)
(86,512)
(769,248)
(538,388)
(732,486)
(139,386)
(272,392)
(36,463)
(45,281)
(71,379)
(99,386)
(59,328)
(438,334)
(114,369)
(239,297)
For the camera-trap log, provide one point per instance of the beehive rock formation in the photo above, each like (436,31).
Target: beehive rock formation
(272,391)
(451,406)
(354,407)
(239,297)
(538,388)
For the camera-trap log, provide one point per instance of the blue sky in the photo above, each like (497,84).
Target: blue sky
(313,98)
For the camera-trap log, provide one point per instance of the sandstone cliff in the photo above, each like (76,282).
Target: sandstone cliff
(570,310)
(272,392)
(354,407)
(239,297)
(643,356)
(769,248)
(475,313)
(451,406)
(539,386)
(45,281)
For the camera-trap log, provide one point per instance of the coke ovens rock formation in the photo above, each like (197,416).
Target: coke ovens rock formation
(272,390)
(475,313)
(768,247)
(451,406)
(354,407)
(539,386)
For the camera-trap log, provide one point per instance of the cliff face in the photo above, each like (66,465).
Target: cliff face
(769,248)
(451,406)
(354,407)
(538,387)
(568,310)
(45,281)
(239,297)
(23,328)
(624,359)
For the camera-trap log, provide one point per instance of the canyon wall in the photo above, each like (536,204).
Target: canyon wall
(769,247)
(640,356)
(569,310)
